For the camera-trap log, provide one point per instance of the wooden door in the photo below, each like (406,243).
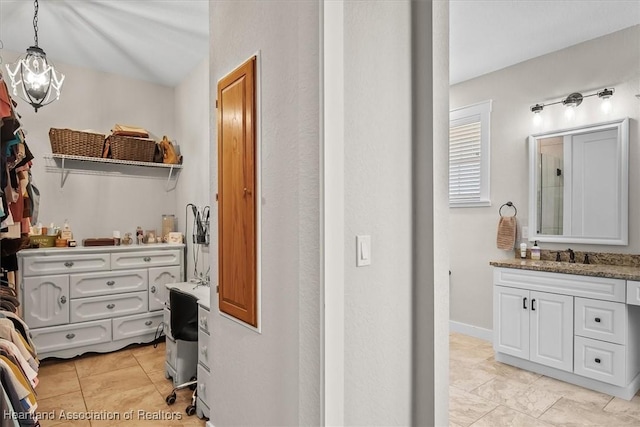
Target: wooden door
(511,321)
(236,194)
(552,330)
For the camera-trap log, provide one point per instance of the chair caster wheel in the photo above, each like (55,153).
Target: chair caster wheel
(171,399)
(193,386)
(190,410)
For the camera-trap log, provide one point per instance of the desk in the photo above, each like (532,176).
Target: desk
(185,359)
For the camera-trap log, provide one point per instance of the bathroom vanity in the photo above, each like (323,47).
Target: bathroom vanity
(574,322)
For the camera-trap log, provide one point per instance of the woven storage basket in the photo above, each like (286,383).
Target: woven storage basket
(76,143)
(132,149)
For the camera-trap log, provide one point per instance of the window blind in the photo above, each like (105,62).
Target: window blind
(465,157)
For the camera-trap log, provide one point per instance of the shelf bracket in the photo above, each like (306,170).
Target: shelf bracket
(63,175)
(169,179)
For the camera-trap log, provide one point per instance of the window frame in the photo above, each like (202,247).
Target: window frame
(479,112)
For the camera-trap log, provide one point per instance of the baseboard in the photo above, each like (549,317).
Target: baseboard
(473,331)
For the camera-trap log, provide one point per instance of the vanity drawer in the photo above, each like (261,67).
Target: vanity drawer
(107,307)
(60,264)
(601,320)
(106,283)
(171,352)
(633,292)
(70,336)
(136,326)
(203,319)
(138,259)
(167,322)
(602,288)
(204,381)
(600,360)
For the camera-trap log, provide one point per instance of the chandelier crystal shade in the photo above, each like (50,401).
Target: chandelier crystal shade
(33,78)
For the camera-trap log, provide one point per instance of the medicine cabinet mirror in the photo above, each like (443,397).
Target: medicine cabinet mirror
(578,184)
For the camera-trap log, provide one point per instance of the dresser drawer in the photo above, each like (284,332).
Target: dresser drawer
(204,381)
(203,348)
(60,264)
(601,320)
(203,319)
(600,360)
(128,260)
(633,292)
(71,336)
(106,307)
(136,325)
(107,283)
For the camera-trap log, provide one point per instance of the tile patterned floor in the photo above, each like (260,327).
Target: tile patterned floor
(486,393)
(111,385)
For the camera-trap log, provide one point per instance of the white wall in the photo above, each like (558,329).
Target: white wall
(378,191)
(612,60)
(192,109)
(273,377)
(99,199)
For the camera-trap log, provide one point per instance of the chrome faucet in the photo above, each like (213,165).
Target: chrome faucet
(572,256)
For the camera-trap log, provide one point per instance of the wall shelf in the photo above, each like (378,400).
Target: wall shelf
(63,158)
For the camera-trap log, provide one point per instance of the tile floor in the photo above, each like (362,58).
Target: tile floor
(483,392)
(108,384)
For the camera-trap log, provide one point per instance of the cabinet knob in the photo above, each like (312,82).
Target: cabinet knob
(203,350)
(63,299)
(597,360)
(153,289)
(70,336)
(68,264)
(111,283)
(597,320)
(146,259)
(148,323)
(202,387)
(110,306)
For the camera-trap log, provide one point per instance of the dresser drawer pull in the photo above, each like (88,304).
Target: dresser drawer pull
(153,289)
(597,320)
(148,323)
(110,306)
(63,299)
(597,360)
(146,259)
(68,264)
(111,283)
(70,336)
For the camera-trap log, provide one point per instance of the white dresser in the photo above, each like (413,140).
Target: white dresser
(101,299)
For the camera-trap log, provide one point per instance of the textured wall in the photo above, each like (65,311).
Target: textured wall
(377,301)
(98,198)
(273,377)
(612,60)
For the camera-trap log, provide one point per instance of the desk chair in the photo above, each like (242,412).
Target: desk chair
(184,327)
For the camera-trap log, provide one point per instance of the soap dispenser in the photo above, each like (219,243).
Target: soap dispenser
(535,251)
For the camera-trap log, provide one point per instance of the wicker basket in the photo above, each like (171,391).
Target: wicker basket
(76,143)
(132,149)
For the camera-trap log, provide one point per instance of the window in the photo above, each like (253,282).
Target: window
(469,155)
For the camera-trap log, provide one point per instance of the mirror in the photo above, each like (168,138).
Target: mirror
(578,184)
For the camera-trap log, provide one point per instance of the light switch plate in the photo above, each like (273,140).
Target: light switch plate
(363,251)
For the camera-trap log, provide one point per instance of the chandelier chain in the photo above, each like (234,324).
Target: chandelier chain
(35,22)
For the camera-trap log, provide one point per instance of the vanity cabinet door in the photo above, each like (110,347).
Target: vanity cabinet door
(552,330)
(511,321)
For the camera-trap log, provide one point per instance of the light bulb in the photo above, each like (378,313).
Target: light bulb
(537,119)
(606,106)
(570,113)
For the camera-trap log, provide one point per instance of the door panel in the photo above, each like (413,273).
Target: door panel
(236,194)
(552,330)
(511,321)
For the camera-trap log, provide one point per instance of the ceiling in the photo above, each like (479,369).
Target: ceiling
(163,40)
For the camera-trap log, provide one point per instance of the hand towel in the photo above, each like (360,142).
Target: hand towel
(506,233)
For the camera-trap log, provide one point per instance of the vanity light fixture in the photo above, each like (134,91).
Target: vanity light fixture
(575,99)
(33,78)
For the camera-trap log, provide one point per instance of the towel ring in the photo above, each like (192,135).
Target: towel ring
(510,205)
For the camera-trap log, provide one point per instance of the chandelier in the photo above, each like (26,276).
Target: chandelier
(33,78)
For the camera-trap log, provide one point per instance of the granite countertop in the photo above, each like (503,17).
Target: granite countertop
(626,272)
